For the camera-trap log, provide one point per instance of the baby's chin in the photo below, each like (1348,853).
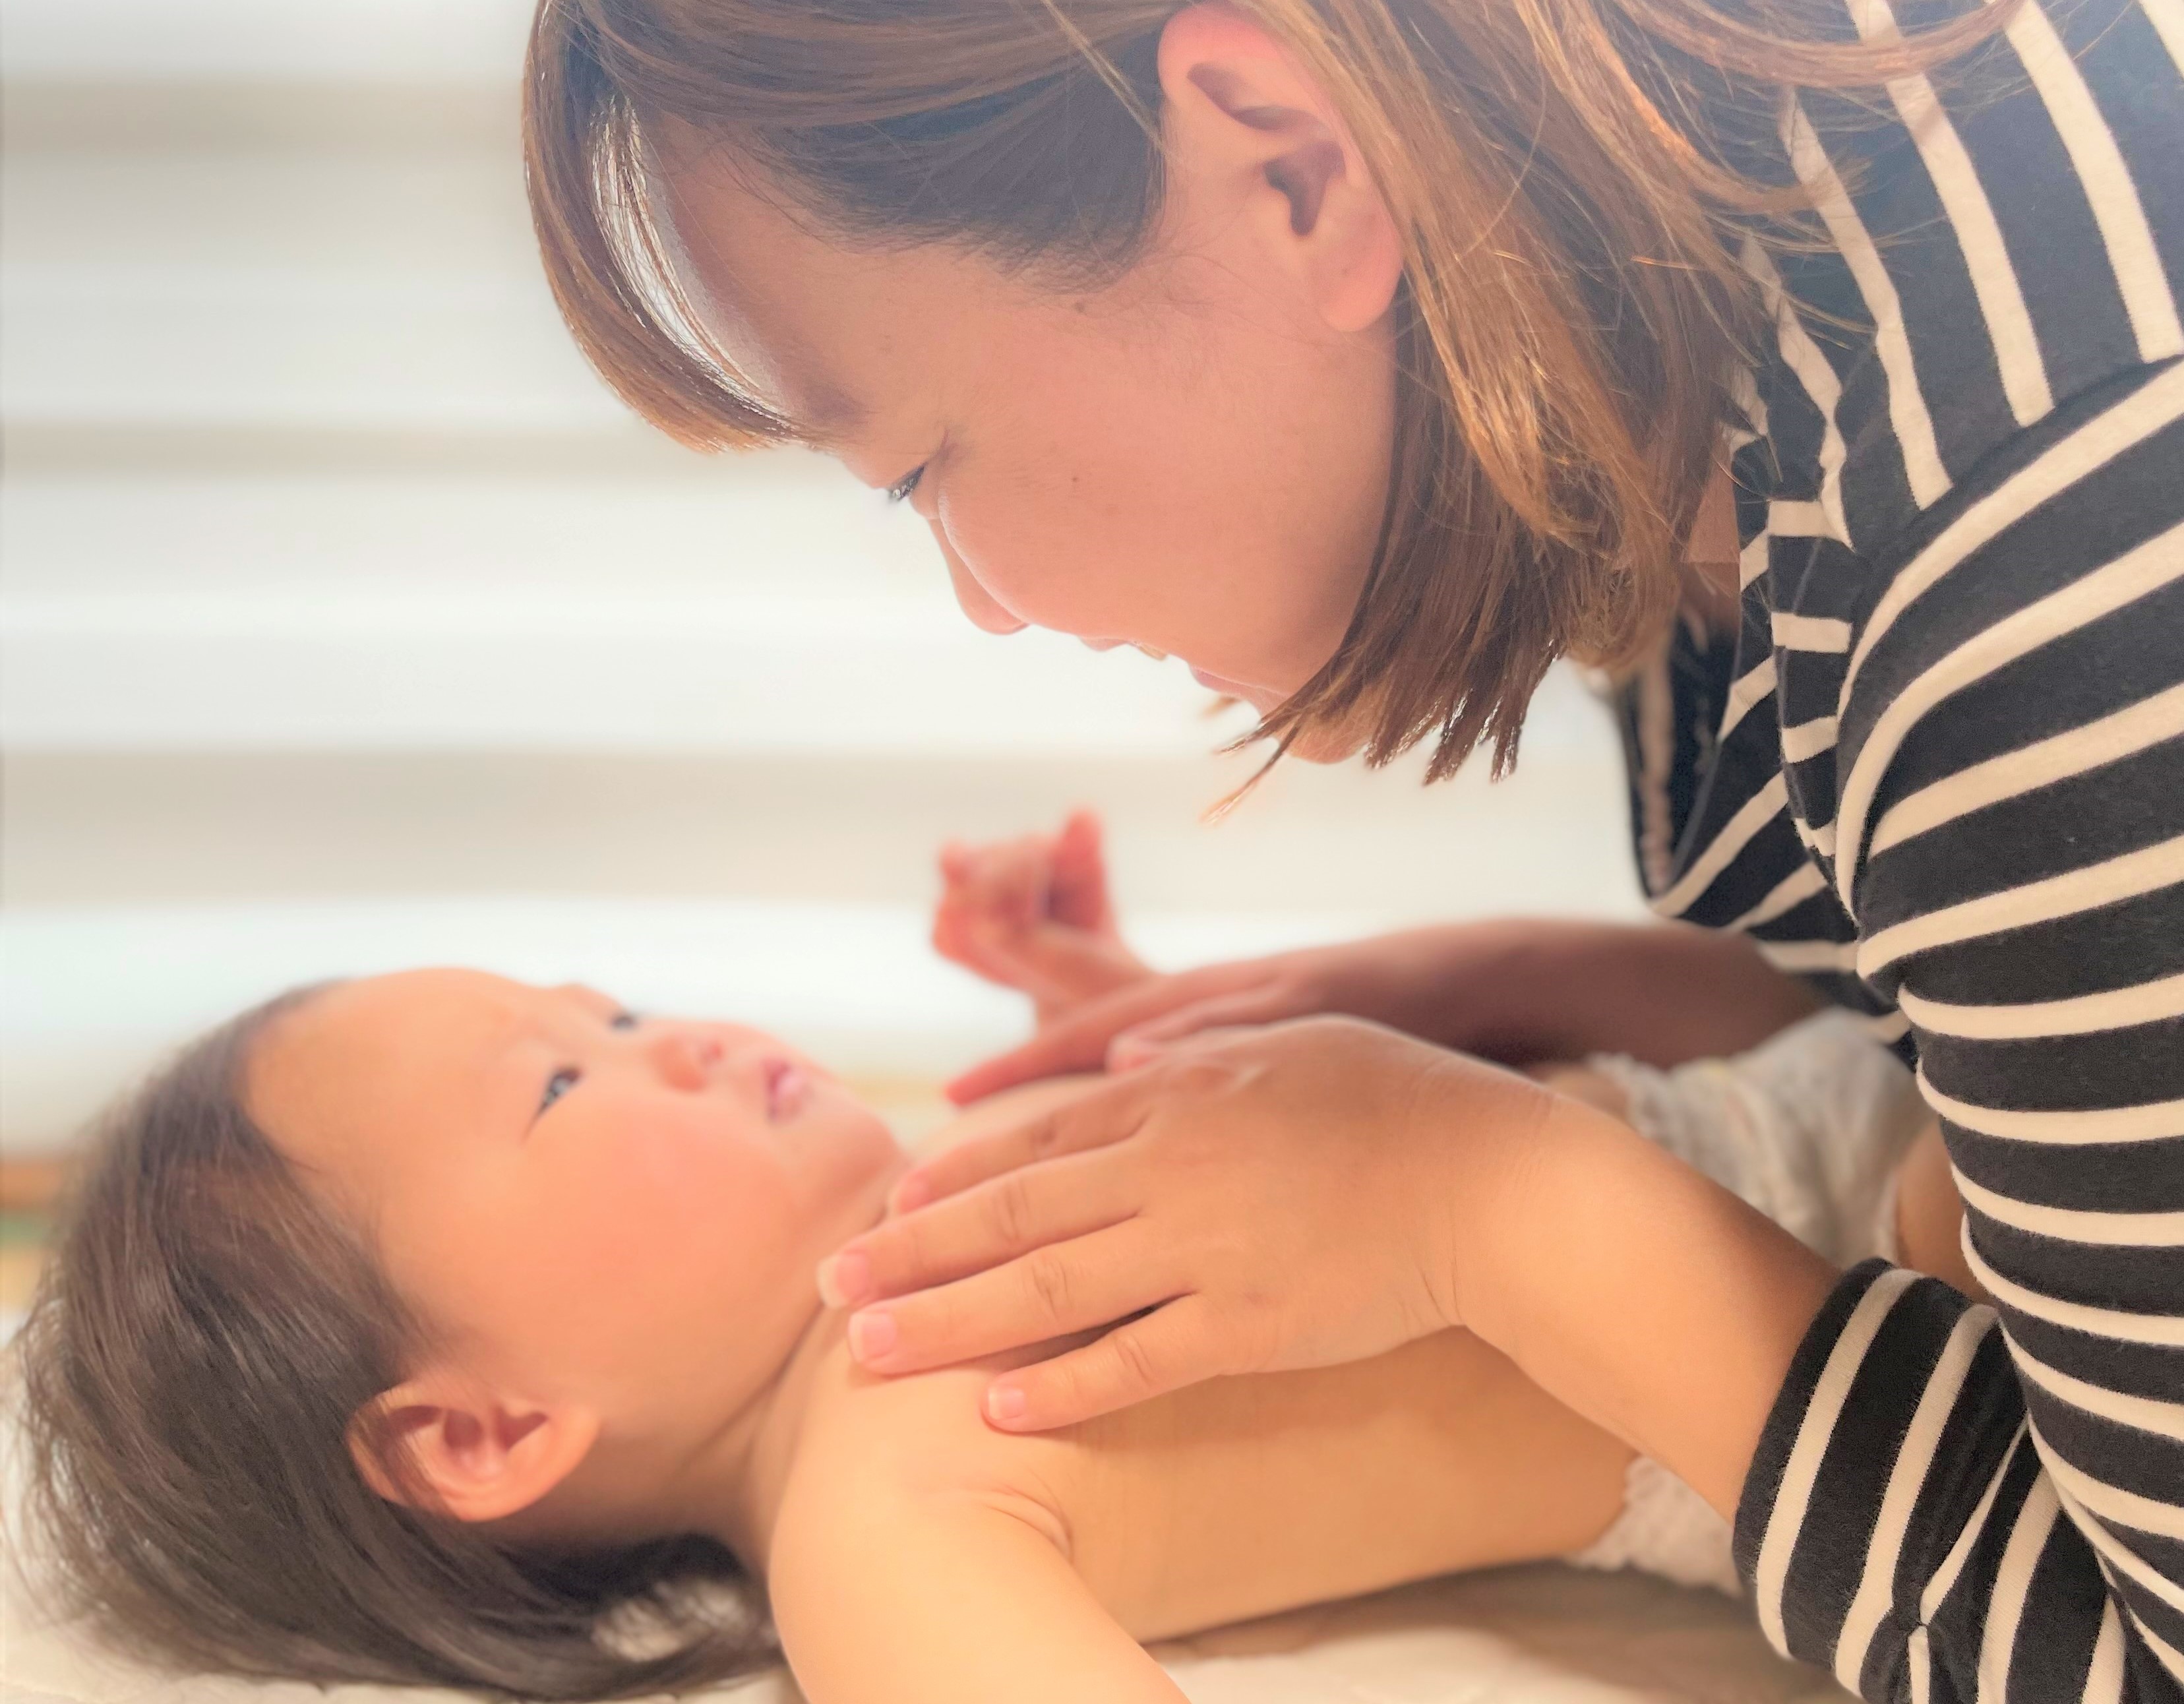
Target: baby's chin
(857,1152)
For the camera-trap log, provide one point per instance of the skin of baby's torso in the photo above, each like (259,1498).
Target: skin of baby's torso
(1245,1495)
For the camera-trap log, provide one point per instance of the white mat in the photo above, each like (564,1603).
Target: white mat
(1539,1635)
(1529,1635)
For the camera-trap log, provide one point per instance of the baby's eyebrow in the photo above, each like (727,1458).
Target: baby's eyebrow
(514,1057)
(594,1000)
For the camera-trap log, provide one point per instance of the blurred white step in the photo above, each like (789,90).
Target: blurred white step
(323,40)
(769,523)
(384,201)
(294,352)
(336,670)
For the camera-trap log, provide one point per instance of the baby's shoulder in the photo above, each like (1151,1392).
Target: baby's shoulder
(867,1442)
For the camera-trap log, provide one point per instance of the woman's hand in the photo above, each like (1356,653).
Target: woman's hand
(1413,981)
(1516,990)
(1033,914)
(1278,1198)
(1324,1190)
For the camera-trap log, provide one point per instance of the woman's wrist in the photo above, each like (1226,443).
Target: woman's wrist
(1643,1295)
(1530,989)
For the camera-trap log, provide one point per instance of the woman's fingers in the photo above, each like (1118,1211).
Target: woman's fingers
(1268,1003)
(1102,1117)
(1052,1292)
(1174,1345)
(982,1225)
(1079,1041)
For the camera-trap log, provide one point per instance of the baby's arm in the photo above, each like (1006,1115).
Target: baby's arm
(886,1592)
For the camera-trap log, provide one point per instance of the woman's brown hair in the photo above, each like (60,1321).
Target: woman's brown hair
(1564,173)
(202,1337)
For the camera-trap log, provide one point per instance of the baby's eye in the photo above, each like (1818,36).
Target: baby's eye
(900,490)
(624,1020)
(558,1085)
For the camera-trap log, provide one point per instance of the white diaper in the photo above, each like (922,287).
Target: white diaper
(1809,1128)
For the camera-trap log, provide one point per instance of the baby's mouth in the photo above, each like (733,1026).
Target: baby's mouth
(788,1086)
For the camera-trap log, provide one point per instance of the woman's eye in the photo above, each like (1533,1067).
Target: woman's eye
(623,1019)
(900,490)
(558,1085)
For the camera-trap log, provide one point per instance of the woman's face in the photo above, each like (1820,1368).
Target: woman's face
(588,1204)
(1191,458)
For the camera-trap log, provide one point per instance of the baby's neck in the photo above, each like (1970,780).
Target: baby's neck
(764,1449)
(739,1478)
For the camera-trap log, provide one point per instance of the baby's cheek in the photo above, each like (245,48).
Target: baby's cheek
(661,1202)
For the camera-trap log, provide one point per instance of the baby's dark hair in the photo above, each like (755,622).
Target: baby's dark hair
(203,1336)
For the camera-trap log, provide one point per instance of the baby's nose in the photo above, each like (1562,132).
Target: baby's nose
(685,1059)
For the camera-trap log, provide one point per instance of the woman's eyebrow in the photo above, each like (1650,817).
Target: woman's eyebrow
(825,416)
(815,406)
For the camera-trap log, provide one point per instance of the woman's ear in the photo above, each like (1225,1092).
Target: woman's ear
(443,1442)
(1249,129)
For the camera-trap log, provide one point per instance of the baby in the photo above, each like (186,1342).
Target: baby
(434,1327)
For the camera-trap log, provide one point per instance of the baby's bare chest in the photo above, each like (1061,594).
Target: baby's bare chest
(1247,1496)
(1242,1497)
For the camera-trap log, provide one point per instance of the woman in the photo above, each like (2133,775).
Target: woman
(1370,354)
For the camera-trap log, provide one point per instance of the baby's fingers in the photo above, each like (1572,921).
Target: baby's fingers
(1077,879)
(1169,1348)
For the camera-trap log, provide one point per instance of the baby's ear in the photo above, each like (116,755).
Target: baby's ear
(443,1442)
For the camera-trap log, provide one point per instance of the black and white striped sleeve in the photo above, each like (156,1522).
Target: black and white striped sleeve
(1952,1502)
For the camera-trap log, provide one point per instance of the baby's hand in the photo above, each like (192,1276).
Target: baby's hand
(1033,914)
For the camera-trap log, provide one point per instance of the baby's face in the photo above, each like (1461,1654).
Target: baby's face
(588,1205)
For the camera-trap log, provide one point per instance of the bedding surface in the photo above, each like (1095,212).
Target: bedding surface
(1533,1635)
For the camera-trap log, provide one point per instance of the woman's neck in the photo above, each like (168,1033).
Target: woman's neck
(1713,587)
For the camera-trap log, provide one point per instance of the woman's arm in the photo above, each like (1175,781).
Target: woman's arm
(2010,837)
(886,1591)
(1516,989)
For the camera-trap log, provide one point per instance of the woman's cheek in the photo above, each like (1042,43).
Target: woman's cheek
(1056,556)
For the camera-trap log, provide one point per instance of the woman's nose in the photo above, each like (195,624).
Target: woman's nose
(985,612)
(685,1060)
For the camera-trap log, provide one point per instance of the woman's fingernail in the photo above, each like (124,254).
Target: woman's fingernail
(1004,1403)
(845,1279)
(911,1193)
(871,1334)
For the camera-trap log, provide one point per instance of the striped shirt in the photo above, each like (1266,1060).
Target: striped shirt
(1940,769)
